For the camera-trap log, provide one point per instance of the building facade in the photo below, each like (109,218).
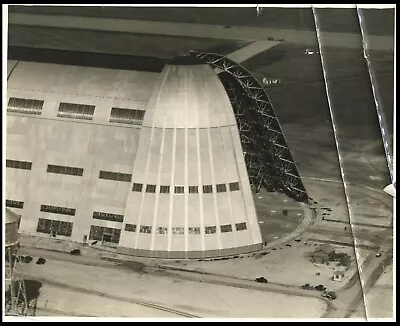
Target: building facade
(151,163)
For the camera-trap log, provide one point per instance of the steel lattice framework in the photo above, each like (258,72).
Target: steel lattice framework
(267,156)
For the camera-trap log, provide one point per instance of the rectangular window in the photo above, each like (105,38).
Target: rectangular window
(108,217)
(128,116)
(19,164)
(43,226)
(151,188)
(145,229)
(226,228)
(76,111)
(210,229)
(116,176)
(130,227)
(54,227)
(23,105)
(221,187)
(193,189)
(178,231)
(137,187)
(179,189)
(65,229)
(234,186)
(161,230)
(241,226)
(207,189)
(96,233)
(14,203)
(194,230)
(57,210)
(68,170)
(104,234)
(164,189)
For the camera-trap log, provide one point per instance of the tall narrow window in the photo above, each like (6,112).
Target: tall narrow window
(207,189)
(23,105)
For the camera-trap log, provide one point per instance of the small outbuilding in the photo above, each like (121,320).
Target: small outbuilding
(321,254)
(338,276)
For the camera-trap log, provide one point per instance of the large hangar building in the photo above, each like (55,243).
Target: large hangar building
(150,163)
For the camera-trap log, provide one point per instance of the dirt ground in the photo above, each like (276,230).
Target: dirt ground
(277,266)
(105,291)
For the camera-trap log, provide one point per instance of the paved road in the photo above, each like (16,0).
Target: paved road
(249,51)
(346,40)
(350,298)
(308,215)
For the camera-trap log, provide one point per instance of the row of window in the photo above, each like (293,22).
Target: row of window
(19,164)
(207,189)
(129,227)
(23,105)
(112,235)
(108,175)
(101,233)
(108,217)
(69,170)
(124,177)
(54,227)
(181,231)
(14,203)
(128,116)
(58,210)
(75,110)
(71,212)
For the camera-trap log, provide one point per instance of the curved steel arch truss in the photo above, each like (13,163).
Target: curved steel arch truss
(267,156)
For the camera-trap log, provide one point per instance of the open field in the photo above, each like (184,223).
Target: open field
(118,291)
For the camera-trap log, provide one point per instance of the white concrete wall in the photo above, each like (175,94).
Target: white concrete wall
(92,145)
(189,138)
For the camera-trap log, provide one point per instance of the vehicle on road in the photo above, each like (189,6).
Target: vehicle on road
(331,295)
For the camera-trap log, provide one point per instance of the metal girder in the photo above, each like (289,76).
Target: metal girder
(267,156)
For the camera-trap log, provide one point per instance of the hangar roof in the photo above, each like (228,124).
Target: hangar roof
(86,81)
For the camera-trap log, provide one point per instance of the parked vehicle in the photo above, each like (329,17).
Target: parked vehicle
(331,295)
